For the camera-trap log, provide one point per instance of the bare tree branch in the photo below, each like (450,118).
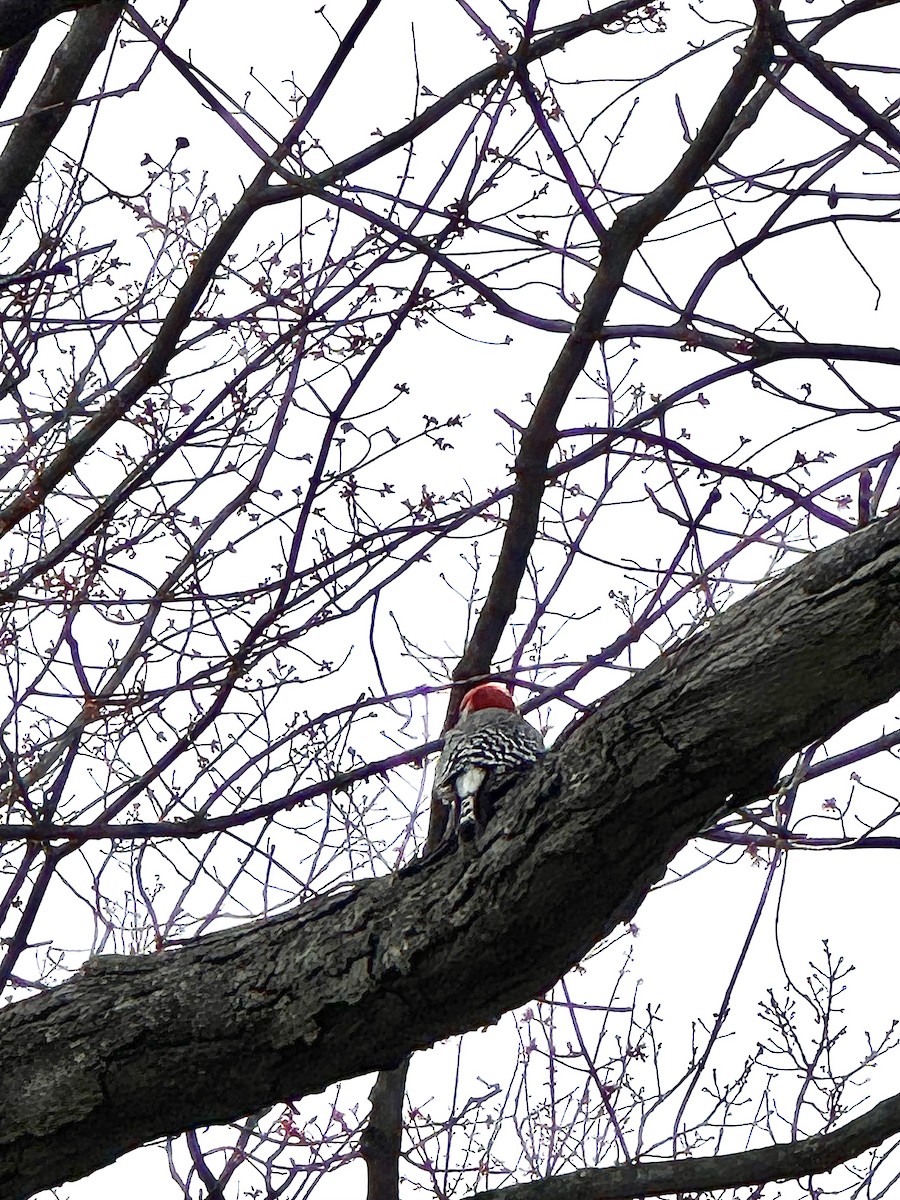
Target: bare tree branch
(750,112)
(811,1156)
(257,195)
(539,439)
(52,101)
(139,1047)
(848,96)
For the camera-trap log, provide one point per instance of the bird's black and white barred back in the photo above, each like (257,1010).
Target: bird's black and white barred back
(490,738)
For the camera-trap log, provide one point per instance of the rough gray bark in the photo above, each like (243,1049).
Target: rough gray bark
(52,102)
(380,1141)
(134,1049)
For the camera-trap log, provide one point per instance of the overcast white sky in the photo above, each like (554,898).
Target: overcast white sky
(689,935)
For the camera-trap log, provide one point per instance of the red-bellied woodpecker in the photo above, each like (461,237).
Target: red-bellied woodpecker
(490,738)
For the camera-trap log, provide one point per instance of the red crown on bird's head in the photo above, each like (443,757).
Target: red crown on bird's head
(487,695)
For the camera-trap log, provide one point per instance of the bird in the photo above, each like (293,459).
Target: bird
(490,738)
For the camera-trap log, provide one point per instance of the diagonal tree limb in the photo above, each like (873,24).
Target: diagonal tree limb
(136,1048)
(260,194)
(848,96)
(792,1160)
(52,102)
(557,39)
(177,319)
(751,110)
(147,375)
(539,438)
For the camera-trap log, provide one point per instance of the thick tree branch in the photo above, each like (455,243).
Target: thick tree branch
(51,103)
(136,1048)
(178,317)
(749,114)
(811,1156)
